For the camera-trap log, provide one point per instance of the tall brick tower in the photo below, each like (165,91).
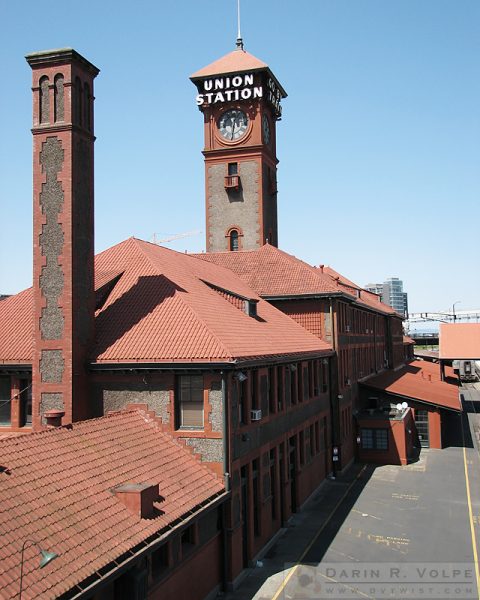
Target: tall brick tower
(240,100)
(63,237)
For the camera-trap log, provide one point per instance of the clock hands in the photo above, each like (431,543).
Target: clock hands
(233,124)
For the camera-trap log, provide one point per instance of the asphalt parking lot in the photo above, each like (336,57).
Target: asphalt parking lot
(382,532)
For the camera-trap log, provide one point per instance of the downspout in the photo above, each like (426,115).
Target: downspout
(332,326)
(333,376)
(226,476)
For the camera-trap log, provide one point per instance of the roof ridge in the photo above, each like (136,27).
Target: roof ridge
(292,258)
(227,351)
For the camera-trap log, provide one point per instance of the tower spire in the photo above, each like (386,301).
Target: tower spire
(239,35)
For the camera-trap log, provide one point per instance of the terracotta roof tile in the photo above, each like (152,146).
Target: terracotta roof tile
(364,297)
(459,340)
(163,308)
(273,273)
(58,492)
(16,328)
(420,380)
(236,61)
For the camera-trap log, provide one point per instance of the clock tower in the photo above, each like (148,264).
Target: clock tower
(240,100)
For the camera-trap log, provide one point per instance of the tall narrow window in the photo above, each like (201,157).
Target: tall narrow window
(26,401)
(44,100)
(5,401)
(242,400)
(272,404)
(190,401)
(234,240)
(86,106)
(59,98)
(255,403)
(233,169)
(256,497)
(78,101)
(273,483)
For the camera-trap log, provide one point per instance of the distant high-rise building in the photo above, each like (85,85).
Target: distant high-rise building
(391,293)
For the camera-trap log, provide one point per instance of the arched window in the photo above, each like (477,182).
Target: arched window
(59,98)
(44,100)
(234,240)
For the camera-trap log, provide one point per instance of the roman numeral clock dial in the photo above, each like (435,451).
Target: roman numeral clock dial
(233,124)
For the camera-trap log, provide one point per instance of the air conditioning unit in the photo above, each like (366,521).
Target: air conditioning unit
(255,415)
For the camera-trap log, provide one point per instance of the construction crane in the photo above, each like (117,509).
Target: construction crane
(175,236)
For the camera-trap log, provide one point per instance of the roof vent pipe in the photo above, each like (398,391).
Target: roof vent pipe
(53,417)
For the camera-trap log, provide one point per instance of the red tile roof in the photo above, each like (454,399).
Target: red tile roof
(273,273)
(57,490)
(16,328)
(420,380)
(163,309)
(459,340)
(364,297)
(233,62)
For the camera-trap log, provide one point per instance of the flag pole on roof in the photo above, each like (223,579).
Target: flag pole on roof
(239,35)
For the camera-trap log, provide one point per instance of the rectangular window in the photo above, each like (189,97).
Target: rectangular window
(374,439)
(273,483)
(26,401)
(190,401)
(293,384)
(311,364)
(188,539)
(5,401)
(300,380)
(255,390)
(313,446)
(271,390)
(367,439)
(381,439)
(316,378)
(160,561)
(302,447)
(324,375)
(306,383)
(280,387)
(232,168)
(256,497)
(242,401)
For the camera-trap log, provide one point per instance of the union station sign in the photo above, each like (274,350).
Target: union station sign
(237,88)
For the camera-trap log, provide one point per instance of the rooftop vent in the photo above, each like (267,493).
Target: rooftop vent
(251,307)
(138,498)
(53,417)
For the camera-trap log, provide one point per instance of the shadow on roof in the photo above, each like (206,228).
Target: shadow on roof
(131,308)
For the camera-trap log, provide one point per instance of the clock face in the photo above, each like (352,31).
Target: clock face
(233,124)
(266,129)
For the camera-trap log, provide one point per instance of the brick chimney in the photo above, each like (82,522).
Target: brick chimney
(138,498)
(63,243)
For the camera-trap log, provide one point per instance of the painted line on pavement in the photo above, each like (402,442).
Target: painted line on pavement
(316,536)
(470,516)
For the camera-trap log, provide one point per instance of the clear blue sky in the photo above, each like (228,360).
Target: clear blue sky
(379,147)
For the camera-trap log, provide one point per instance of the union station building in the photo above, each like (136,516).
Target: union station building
(162,415)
